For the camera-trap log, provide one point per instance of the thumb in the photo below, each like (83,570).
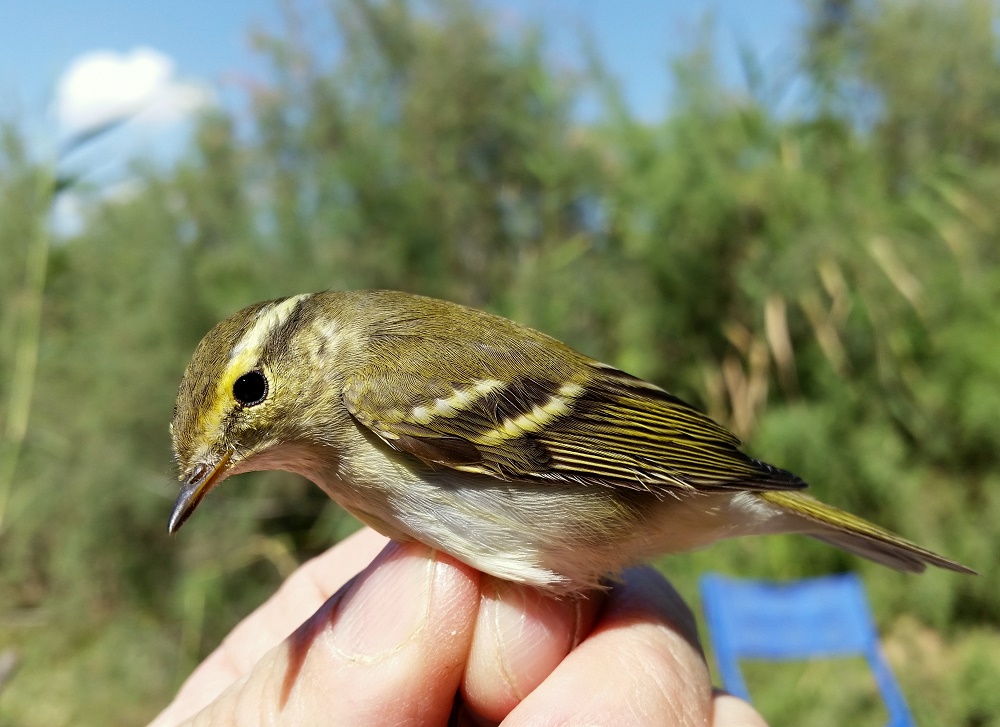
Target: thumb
(388,648)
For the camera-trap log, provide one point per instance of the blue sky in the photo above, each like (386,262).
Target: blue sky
(197,52)
(208,41)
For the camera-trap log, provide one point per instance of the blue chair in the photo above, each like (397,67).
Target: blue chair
(818,618)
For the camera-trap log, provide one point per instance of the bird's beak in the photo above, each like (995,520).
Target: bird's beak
(199,481)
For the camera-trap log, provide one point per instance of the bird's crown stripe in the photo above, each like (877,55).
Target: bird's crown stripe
(245,354)
(268,320)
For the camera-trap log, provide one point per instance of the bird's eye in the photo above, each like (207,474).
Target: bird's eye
(250,388)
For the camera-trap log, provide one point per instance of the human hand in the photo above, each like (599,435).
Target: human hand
(396,643)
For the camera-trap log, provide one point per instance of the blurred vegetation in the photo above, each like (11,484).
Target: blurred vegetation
(827,283)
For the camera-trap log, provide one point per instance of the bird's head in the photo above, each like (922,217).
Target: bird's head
(256,387)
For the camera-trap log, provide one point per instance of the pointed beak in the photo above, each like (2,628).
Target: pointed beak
(193,489)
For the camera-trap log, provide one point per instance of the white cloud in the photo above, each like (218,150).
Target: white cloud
(176,102)
(101,86)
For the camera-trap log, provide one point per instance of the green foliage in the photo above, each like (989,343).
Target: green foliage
(828,285)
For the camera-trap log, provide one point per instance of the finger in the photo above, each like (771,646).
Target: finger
(521,635)
(299,596)
(641,665)
(730,711)
(388,649)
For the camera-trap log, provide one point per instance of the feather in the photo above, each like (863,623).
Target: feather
(481,402)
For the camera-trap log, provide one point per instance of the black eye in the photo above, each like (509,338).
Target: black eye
(250,388)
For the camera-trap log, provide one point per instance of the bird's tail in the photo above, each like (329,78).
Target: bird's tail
(857,535)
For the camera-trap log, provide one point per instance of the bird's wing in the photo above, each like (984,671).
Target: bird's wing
(570,419)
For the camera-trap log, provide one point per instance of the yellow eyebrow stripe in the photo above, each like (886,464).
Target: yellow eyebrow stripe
(247,350)
(245,355)
(268,319)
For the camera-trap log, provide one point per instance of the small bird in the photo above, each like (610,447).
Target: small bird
(485,439)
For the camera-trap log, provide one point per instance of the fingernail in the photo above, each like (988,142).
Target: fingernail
(522,618)
(389,603)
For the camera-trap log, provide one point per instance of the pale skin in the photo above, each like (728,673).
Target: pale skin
(394,644)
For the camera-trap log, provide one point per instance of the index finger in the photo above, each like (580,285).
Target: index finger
(296,600)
